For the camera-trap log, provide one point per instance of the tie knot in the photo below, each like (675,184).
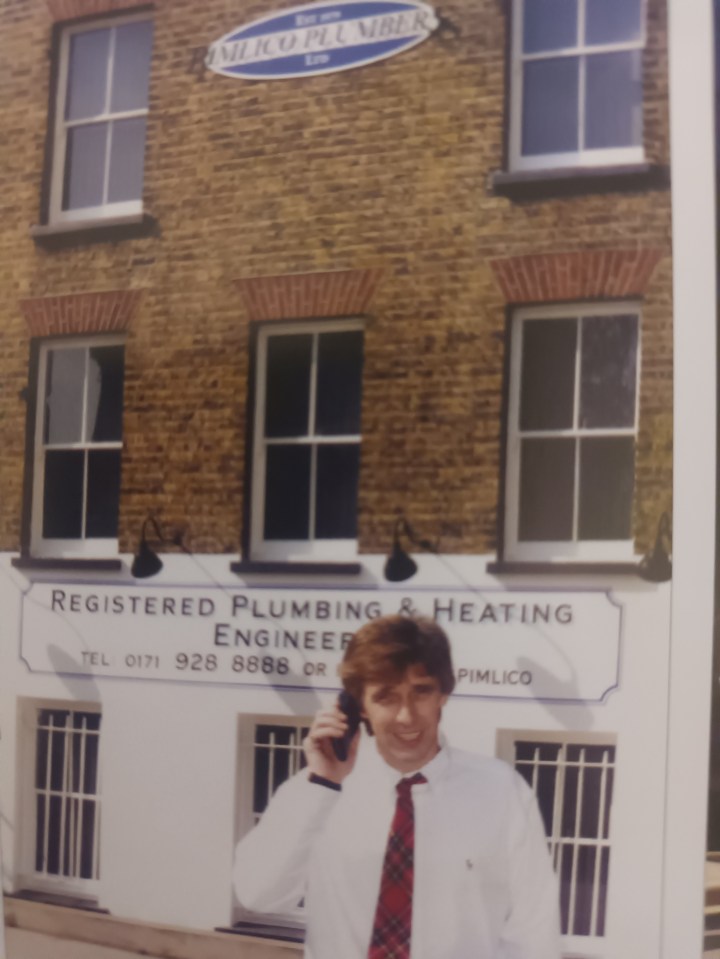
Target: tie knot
(405,785)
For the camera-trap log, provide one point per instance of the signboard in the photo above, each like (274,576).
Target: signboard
(321,38)
(557,646)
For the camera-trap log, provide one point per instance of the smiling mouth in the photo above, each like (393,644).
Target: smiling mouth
(408,737)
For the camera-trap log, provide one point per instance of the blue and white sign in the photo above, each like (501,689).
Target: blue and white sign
(321,38)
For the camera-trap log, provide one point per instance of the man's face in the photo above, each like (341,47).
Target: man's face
(404,717)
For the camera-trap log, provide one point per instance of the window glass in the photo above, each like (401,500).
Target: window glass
(65,378)
(287,492)
(614,100)
(550,106)
(67,806)
(287,391)
(131,66)
(608,371)
(127,160)
(106,371)
(612,21)
(606,487)
(103,493)
(548,374)
(85,166)
(78,462)
(573,783)
(549,24)
(547,483)
(339,383)
(101,135)
(63,494)
(337,490)
(87,74)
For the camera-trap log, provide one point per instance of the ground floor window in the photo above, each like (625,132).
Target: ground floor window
(572,777)
(270,753)
(62,827)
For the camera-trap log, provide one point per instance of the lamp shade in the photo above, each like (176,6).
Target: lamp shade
(399,566)
(146,563)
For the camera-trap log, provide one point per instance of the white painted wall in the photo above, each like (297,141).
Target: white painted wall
(170,755)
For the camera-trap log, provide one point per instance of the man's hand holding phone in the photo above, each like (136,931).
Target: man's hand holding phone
(333,735)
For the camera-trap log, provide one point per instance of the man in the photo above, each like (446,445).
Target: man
(454,866)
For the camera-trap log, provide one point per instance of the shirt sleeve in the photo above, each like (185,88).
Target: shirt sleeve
(271,860)
(532,930)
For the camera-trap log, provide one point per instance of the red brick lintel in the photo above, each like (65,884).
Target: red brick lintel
(304,295)
(109,311)
(581,275)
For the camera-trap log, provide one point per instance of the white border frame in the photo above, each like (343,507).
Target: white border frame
(692,142)
(56,214)
(562,550)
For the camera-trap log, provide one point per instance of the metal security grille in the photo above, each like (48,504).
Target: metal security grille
(573,784)
(67,794)
(277,755)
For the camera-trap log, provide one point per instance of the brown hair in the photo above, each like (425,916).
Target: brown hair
(383,650)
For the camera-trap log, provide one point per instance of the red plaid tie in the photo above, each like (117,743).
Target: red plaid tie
(393,917)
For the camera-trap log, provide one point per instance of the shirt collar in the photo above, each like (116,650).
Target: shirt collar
(433,771)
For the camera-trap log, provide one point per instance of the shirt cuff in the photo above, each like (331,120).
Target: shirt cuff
(322,781)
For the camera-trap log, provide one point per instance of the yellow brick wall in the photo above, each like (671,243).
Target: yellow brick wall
(386,168)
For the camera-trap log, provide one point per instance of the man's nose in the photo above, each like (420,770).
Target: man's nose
(406,713)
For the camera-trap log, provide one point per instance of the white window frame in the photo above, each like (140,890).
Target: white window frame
(28,877)
(292,550)
(576,945)
(574,550)
(64,548)
(582,157)
(246,818)
(104,210)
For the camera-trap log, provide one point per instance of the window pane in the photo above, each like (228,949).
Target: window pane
(131,66)
(103,494)
(127,160)
(85,166)
(606,487)
(105,393)
(612,21)
(608,370)
(39,832)
(287,492)
(63,494)
(87,74)
(64,382)
(287,391)
(87,836)
(547,480)
(549,25)
(550,106)
(337,489)
(614,100)
(339,383)
(547,383)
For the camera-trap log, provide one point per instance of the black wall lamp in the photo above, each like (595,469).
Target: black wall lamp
(147,562)
(399,565)
(656,566)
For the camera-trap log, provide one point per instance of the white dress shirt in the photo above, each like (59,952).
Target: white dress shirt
(484,887)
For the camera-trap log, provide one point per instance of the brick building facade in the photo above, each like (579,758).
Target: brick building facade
(502,281)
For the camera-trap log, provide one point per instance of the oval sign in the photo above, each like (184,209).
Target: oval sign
(321,38)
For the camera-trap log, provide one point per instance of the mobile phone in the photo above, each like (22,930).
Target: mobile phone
(351,707)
